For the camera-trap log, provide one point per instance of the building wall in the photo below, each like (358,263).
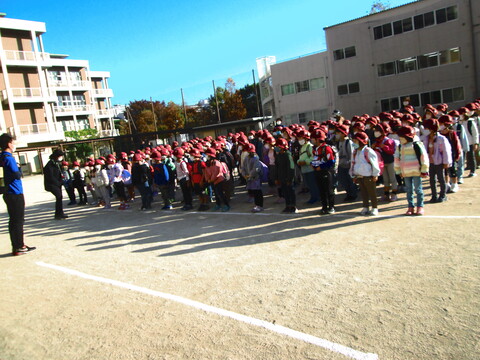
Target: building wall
(363,68)
(24,77)
(16,40)
(30,113)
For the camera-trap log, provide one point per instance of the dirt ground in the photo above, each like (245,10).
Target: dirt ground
(401,288)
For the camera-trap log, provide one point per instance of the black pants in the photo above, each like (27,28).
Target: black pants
(258,196)
(16,212)
(145,192)
(120,190)
(471,160)
(325,181)
(288,193)
(186,191)
(220,197)
(71,192)
(81,193)
(57,192)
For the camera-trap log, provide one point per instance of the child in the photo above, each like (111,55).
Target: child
(161,179)
(345,149)
(324,165)
(411,162)
(439,156)
(101,182)
(365,170)
(215,174)
(79,182)
(285,175)
(67,177)
(142,181)
(386,147)
(253,171)
(446,123)
(305,158)
(183,178)
(198,184)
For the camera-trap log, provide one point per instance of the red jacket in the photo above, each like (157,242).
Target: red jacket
(214,172)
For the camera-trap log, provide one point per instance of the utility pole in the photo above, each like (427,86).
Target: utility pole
(184,109)
(256,93)
(154,117)
(216,100)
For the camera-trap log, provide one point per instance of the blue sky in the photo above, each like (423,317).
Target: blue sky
(154,48)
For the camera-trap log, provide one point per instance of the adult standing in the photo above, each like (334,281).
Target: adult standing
(13,195)
(53,181)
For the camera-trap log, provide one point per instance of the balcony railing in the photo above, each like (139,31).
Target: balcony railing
(35,129)
(104,112)
(29,94)
(72,108)
(103,92)
(107,133)
(71,84)
(26,56)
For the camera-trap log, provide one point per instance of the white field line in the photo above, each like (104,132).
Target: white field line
(344,350)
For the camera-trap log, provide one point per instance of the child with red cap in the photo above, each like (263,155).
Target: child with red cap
(216,174)
(141,178)
(446,123)
(183,178)
(324,165)
(79,182)
(411,162)
(285,175)
(198,182)
(439,156)
(345,150)
(253,171)
(102,181)
(386,147)
(365,170)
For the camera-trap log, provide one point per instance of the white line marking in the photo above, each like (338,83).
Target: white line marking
(344,350)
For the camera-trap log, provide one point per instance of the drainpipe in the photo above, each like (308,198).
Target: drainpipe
(474,49)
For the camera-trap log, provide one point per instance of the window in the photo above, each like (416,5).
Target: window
(350,51)
(288,89)
(407,24)
(428,60)
(338,54)
(386,69)
(387,30)
(318,83)
(397,27)
(429,19)
(377,32)
(452,13)
(320,115)
(353,88)
(432,97)
(342,89)
(344,53)
(414,100)
(302,118)
(302,86)
(418,22)
(408,64)
(450,56)
(390,104)
(441,16)
(288,119)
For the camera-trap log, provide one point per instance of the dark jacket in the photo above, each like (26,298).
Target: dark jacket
(52,176)
(285,167)
(141,174)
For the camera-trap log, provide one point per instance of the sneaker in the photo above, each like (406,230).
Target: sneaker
(121,207)
(364,211)
(460,180)
(393,197)
(61,217)
(331,211)
(454,188)
(433,200)
(257,209)
(420,211)
(410,211)
(167,207)
(385,197)
(293,210)
(225,208)
(373,212)
(216,208)
(441,199)
(187,207)
(23,250)
(472,175)
(324,212)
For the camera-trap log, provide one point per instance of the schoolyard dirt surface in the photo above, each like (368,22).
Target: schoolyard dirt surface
(395,286)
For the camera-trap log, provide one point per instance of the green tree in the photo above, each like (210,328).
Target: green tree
(80,151)
(249,99)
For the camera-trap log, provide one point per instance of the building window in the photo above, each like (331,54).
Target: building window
(344,53)
(342,89)
(428,60)
(408,64)
(288,89)
(432,97)
(318,83)
(348,88)
(429,19)
(386,69)
(390,104)
(377,32)
(320,115)
(302,86)
(350,51)
(452,13)
(387,30)
(450,56)
(453,95)
(302,118)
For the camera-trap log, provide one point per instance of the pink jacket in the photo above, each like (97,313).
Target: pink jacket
(214,172)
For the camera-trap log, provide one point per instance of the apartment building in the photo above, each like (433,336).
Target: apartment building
(45,94)
(428,50)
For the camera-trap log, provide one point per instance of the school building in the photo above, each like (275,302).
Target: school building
(44,94)
(428,50)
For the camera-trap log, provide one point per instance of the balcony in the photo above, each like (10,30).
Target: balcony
(102,93)
(104,113)
(73,84)
(70,109)
(108,133)
(26,58)
(28,95)
(35,133)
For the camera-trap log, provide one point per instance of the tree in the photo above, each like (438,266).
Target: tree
(145,122)
(249,99)
(172,117)
(80,151)
(233,104)
(379,6)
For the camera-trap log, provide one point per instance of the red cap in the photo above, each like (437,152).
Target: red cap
(445,119)
(282,143)
(76,163)
(431,124)
(359,125)
(64,163)
(408,119)
(406,132)
(442,107)
(343,129)
(384,128)
(211,152)
(250,148)
(319,135)
(137,157)
(361,137)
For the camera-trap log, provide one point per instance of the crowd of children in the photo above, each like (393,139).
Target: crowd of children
(397,149)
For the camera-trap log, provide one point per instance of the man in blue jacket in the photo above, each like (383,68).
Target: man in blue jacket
(13,195)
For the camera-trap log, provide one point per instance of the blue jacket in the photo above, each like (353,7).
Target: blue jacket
(11,174)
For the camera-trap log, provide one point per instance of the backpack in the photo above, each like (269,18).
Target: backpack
(381,163)
(264,175)
(126,177)
(225,171)
(3,187)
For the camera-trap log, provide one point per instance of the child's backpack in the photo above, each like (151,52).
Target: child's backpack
(381,163)
(264,174)
(225,170)
(126,177)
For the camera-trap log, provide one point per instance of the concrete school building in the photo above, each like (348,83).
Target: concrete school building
(43,94)
(428,50)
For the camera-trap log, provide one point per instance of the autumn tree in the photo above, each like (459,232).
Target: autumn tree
(233,104)
(172,117)
(145,122)
(249,99)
